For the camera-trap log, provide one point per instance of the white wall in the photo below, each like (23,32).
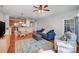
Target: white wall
(56,22)
(48,24)
(1,17)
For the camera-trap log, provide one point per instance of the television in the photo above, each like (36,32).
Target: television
(2,29)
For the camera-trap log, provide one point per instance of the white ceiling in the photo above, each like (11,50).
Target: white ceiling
(27,10)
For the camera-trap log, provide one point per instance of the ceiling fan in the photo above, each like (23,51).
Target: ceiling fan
(41,8)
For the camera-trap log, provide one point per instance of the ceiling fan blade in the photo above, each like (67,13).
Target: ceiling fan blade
(45,6)
(35,10)
(35,7)
(46,10)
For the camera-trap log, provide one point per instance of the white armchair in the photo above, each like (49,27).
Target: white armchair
(67,46)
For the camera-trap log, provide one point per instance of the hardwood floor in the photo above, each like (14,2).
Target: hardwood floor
(12,44)
(77,47)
